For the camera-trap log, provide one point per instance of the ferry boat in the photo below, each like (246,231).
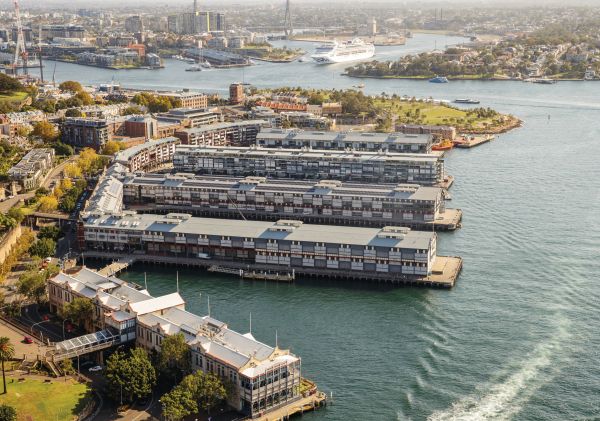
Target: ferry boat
(335,52)
(543,81)
(465,101)
(439,79)
(194,68)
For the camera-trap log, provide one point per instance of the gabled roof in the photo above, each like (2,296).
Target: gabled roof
(157,304)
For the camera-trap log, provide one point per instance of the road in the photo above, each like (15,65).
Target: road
(51,176)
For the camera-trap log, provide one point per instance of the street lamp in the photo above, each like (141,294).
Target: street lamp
(35,324)
(63,328)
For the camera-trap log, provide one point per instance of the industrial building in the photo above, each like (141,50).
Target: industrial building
(373,167)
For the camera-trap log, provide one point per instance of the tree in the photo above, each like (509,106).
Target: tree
(111,147)
(9,84)
(62,149)
(7,351)
(70,86)
(132,110)
(84,97)
(177,404)
(43,248)
(32,284)
(17,214)
(73,170)
(130,377)
(88,160)
(8,413)
(174,358)
(50,231)
(45,131)
(79,310)
(48,203)
(73,112)
(67,366)
(196,391)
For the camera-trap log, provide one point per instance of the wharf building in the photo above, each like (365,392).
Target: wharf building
(372,167)
(263,378)
(32,168)
(239,133)
(439,132)
(357,141)
(258,198)
(393,254)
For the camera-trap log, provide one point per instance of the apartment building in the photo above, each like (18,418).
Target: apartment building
(148,155)
(31,169)
(239,133)
(374,167)
(358,141)
(187,99)
(395,254)
(192,117)
(258,198)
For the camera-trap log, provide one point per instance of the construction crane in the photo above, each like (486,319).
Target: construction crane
(40,54)
(20,50)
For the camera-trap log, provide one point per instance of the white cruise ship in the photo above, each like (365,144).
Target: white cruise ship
(343,52)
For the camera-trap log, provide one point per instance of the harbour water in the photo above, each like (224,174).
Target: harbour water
(517,338)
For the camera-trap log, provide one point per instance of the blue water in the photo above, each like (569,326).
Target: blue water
(517,338)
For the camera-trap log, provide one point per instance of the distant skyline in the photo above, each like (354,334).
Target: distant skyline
(105,4)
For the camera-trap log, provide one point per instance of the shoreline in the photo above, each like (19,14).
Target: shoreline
(105,67)
(458,78)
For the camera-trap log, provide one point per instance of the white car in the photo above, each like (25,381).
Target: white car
(95,368)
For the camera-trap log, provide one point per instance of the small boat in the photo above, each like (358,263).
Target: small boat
(359,86)
(465,101)
(195,68)
(439,79)
(302,60)
(444,145)
(542,80)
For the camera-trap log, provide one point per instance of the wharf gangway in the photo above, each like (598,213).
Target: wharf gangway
(85,344)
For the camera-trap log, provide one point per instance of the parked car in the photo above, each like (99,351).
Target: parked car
(95,368)
(27,340)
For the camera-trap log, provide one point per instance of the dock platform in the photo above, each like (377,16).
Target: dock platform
(472,141)
(450,220)
(445,272)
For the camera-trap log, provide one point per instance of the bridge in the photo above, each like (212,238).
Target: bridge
(83,345)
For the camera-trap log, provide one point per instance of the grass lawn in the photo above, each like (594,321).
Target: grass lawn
(15,97)
(36,400)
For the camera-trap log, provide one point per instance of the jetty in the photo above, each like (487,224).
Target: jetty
(467,142)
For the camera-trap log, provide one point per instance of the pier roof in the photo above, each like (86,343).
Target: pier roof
(333,234)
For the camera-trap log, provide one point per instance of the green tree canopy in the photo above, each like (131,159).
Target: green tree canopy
(79,310)
(43,248)
(73,112)
(8,413)
(174,358)
(130,377)
(70,86)
(32,284)
(197,391)
(7,352)
(9,84)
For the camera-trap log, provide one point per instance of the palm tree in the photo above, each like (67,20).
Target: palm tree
(7,351)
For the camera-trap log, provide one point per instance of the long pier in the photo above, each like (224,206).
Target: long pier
(444,274)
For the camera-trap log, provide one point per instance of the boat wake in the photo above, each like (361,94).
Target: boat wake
(504,399)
